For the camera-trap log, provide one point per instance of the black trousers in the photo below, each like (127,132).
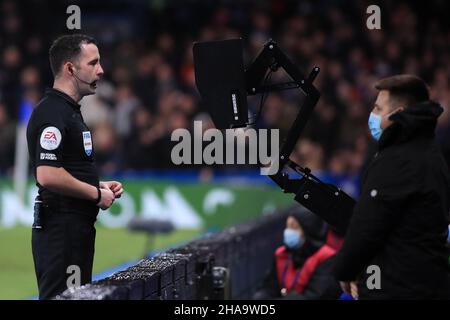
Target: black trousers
(65,243)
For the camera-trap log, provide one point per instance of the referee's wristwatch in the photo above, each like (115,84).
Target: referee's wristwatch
(99,195)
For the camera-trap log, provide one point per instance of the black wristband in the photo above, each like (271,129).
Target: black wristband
(99,195)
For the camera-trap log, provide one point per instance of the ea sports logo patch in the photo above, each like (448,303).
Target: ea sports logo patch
(50,138)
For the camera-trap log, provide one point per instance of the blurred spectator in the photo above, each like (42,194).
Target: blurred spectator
(303,265)
(10,78)
(140,149)
(106,151)
(7,138)
(127,102)
(309,154)
(95,111)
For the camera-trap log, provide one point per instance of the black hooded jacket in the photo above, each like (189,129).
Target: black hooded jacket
(400,221)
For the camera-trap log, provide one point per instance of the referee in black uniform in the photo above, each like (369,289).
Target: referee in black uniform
(62,157)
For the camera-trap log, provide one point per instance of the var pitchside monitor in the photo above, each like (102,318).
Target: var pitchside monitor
(220,79)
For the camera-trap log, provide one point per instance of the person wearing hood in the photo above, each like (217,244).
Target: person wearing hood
(395,245)
(303,264)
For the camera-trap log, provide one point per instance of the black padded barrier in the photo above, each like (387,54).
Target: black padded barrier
(230,264)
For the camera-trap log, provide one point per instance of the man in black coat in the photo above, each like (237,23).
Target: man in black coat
(395,245)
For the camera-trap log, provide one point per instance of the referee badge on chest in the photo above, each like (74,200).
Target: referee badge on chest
(87,142)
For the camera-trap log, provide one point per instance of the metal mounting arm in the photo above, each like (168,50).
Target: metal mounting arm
(326,200)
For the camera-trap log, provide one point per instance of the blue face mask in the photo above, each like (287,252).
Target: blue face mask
(375,126)
(292,238)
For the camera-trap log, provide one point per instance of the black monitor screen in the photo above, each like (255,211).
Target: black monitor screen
(220,79)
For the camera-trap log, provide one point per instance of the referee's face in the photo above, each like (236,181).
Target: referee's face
(88,69)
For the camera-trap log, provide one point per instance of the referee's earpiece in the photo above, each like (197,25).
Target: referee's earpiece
(76,77)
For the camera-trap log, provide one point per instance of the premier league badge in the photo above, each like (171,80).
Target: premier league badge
(87,142)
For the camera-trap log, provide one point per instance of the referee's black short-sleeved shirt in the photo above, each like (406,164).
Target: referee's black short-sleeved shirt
(57,136)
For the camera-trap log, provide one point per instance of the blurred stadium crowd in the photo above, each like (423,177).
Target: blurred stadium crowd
(149,84)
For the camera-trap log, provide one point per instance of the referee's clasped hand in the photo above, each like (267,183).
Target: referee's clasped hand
(107,198)
(114,186)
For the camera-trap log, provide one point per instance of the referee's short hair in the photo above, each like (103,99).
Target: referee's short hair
(404,90)
(66,48)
